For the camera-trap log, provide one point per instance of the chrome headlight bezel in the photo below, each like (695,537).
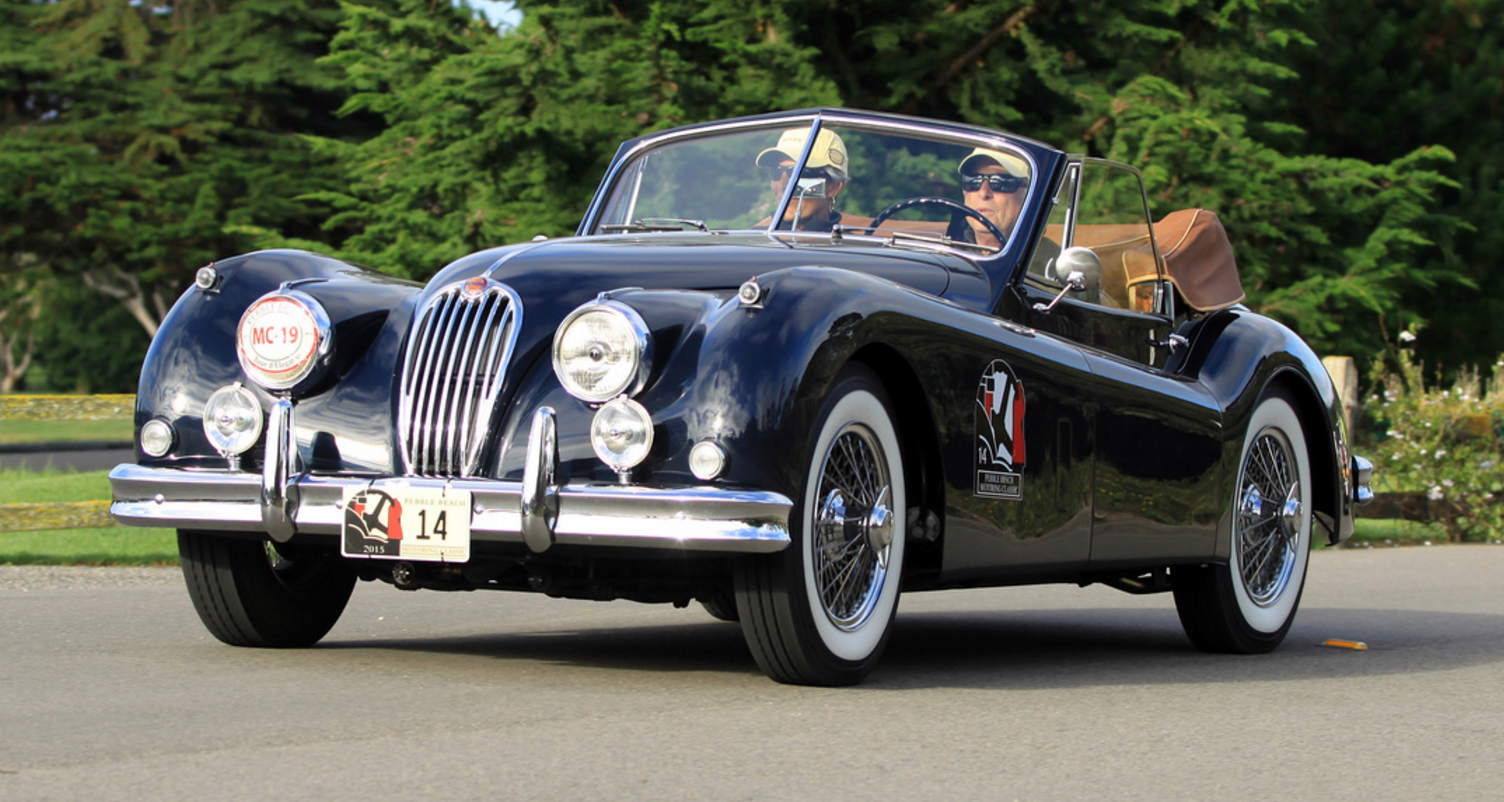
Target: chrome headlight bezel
(237,407)
(631,332)
(284,340)
(628,426)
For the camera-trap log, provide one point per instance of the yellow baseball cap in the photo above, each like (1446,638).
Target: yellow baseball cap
(829,151)
(1014,165)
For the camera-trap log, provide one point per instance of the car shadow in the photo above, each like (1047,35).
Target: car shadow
(1022,649)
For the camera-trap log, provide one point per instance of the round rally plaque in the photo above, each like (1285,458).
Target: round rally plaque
(280,339)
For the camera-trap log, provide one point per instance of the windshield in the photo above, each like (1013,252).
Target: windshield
(859,181)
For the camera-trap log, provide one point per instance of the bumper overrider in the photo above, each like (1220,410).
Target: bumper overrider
(282,502)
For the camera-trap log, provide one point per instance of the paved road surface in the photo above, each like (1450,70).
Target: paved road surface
(82,460)
(111,690)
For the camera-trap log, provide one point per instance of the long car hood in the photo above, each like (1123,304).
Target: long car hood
(582,267)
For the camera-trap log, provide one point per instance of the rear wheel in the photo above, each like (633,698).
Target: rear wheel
(256,593)
(819,612)
(1247,606)
(721,605)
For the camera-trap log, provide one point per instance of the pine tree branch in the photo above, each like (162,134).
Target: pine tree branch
(973,54)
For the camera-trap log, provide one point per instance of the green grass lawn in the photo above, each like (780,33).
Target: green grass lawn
(50,431)
(115,545)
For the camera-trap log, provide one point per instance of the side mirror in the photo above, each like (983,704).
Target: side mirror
(810,188)
(1082,269)
(1086,262)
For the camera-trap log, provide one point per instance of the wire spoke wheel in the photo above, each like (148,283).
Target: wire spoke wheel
(1268,518)
(819,612)
(1247,605)
(850,559)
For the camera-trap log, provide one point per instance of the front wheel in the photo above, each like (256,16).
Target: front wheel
(819,612)
(1247,606)
(255,593)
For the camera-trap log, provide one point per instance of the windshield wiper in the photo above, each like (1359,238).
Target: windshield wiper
(658,224)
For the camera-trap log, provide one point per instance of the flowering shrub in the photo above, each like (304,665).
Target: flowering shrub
(1446,443)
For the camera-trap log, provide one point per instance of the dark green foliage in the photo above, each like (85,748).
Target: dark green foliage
(90,342)
(143,140)
(1353,148)
(1386,78)
(494,139)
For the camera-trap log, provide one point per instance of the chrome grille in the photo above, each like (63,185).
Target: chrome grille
(457,357)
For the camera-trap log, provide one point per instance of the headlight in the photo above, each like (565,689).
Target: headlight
(602,351)
(622,434)
(282,338)
(232,420)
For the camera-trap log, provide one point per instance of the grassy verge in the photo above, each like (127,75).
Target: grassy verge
(1394,532)
(115,545)
(52,431)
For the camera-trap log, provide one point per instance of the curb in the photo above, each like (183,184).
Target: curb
(66,445)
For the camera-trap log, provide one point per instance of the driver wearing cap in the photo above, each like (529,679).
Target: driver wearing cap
(994,183)
(812,207)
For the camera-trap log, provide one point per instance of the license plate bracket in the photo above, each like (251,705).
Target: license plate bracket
(400,522)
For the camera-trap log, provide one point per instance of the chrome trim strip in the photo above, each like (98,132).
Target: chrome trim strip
(689,518)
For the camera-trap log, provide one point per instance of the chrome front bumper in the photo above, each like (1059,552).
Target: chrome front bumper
(537,512)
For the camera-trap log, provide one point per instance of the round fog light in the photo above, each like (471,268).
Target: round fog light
(232,419)
(706,460)
(157,437)
(622,434)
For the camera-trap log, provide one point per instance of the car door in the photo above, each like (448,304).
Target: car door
(1156,438)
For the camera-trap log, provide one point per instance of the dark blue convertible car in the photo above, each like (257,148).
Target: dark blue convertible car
(790,367)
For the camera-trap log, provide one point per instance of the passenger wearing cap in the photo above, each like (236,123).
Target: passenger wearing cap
(994,183)
(812,207)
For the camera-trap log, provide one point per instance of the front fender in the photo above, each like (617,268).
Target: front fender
(748,377)
(193,354)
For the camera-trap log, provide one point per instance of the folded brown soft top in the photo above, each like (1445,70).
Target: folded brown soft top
(1198,259)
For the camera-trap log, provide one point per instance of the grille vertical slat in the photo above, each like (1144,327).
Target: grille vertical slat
(455,389)
(474,366)
(453,374)
(433,379)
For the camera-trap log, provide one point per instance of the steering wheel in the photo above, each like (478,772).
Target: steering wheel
(931,200)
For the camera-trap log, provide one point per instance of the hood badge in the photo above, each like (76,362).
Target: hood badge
(474,288)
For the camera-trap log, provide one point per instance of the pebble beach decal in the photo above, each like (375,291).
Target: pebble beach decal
(1000,433)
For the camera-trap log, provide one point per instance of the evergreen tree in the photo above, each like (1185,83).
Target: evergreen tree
(1386,78)
(493,139)
(496,138)
(141,141)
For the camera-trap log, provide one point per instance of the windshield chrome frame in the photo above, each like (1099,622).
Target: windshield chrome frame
(816,120)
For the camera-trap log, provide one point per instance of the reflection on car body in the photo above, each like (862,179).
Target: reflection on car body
(703,397)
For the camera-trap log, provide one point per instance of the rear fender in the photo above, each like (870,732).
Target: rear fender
(1239,355)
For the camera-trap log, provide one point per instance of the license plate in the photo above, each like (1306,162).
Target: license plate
(403,523)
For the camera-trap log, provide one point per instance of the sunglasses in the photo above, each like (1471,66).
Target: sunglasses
(1005,184)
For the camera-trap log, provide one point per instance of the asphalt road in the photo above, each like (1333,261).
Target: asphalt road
(64,458)
(110,689)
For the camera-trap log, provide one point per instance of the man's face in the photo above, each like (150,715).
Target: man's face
(810,207)
(1001,208)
